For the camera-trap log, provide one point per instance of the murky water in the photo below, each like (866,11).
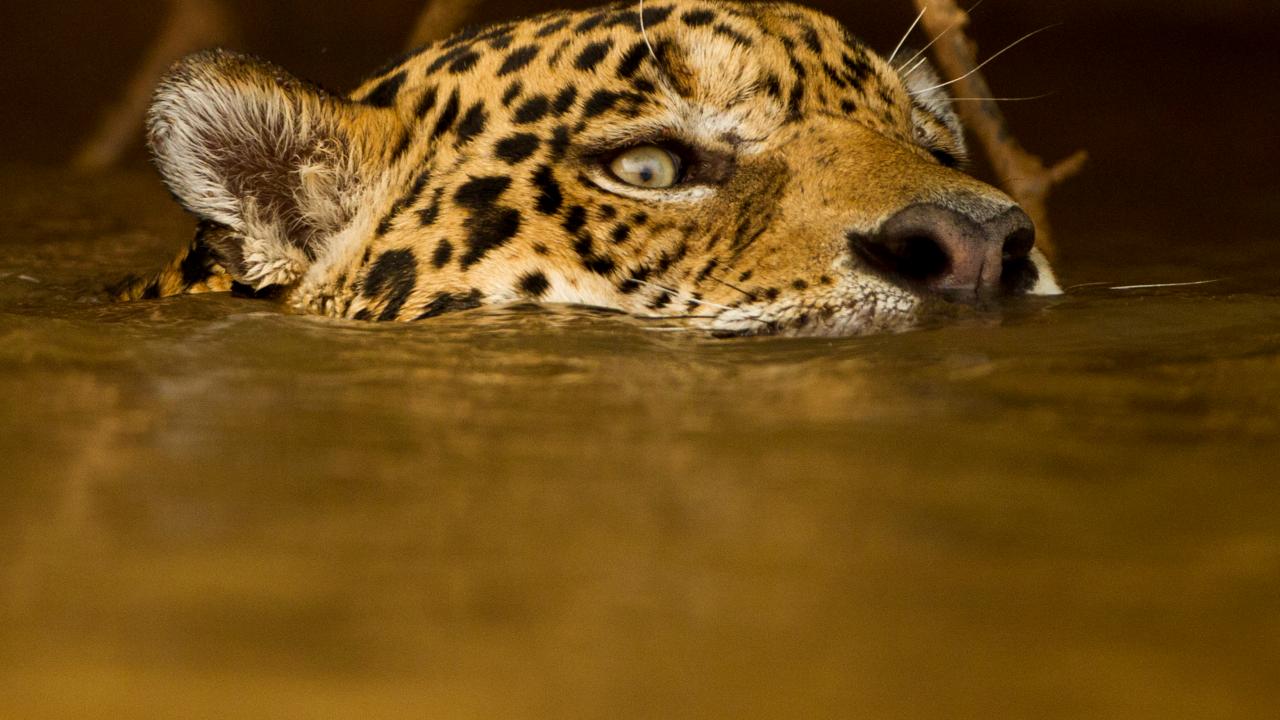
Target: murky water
(212,509)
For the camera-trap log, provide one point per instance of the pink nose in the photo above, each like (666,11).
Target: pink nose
(945,250)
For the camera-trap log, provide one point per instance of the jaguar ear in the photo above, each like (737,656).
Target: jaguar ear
(282,164)
(929,92)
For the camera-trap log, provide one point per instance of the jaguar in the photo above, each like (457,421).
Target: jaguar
(743,168)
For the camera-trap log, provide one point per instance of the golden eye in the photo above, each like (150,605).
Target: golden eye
(647,166)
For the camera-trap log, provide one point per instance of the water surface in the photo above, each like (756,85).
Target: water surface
(215,509)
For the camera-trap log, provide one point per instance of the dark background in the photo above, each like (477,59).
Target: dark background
(1177,102)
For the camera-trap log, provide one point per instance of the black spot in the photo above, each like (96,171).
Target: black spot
(633,59)
(771,294)
(773,86)
(472,124)
(448,58)
(363,314)
(533,284)
(512,93)
(825,279)
(556,54)
(600,102)
(640,218)
(655,16)
(812,40)
(726,31)
(501,42)
(848,107)
(576,220)
(698,18)
(540,249)
(517,59)
(464,62)
(559,142)
(858,68)
(481,192)
(552,28)
(549,196)
(428,215)
(639,276)
(796,101)
(800,285)
(447,116)
(593,54)
(533,109)
(442,255)
(564,101)
(394,275)
(661,301)
(427,103)
(198,265)
(464,35)
(451,302)
(384,95)
(402,147)
(835,76)
(608,212)
(489,228)
(745,276)
(591,23)
(599,265)
(621,234)
(516,148)
(707,269)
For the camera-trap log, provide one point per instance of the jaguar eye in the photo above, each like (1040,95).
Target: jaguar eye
(647,166)
(945,158)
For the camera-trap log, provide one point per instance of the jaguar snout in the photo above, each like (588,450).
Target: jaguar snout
(949,251)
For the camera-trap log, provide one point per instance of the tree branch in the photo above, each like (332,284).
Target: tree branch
(440,19)
(191,25)
(1021,174)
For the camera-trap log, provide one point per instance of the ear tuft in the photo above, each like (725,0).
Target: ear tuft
(275,160)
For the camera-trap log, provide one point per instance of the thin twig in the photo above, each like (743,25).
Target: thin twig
(440,19)
(1021,174)
(191,25)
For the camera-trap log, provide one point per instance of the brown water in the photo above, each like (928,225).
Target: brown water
(212,509)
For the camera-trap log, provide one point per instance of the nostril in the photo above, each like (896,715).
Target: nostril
(1017,246)
(915,256)
(1018,273)
(948,250)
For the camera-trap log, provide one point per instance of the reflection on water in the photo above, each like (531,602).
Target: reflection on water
(213,509)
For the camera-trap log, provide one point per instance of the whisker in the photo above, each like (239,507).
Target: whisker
(903,41)
(731,286)
(1002,99)
(1153,286)
(644,34)
(986,62)
(921,55)
(659,318)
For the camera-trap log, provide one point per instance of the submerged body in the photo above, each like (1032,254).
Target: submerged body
(751,167)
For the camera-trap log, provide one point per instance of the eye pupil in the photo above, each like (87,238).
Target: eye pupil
(647,166)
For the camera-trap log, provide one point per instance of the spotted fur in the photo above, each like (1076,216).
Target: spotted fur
(475,172)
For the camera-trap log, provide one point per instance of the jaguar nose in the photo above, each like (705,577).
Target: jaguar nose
(945,250)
